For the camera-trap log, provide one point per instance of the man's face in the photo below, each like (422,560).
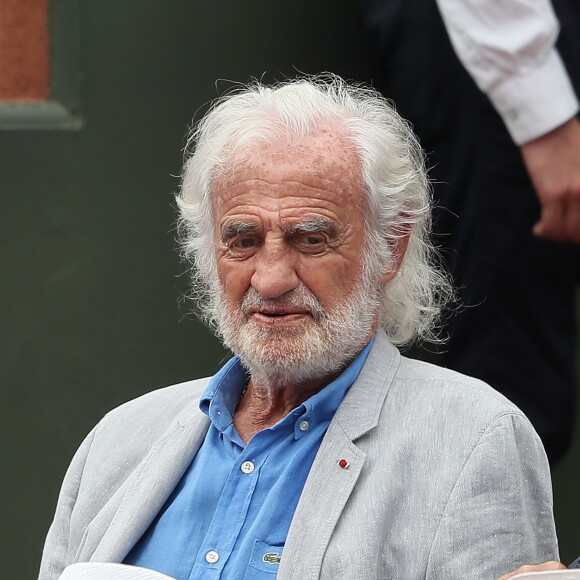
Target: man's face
(290,240)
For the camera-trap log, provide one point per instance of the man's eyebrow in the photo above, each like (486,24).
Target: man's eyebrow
(233,229)
(311,226)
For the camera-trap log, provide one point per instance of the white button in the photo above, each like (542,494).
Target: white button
(304,425)
(212,557)
(247,467)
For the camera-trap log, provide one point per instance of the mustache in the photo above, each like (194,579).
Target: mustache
(301,298)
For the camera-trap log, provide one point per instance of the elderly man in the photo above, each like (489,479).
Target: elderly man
(317,451)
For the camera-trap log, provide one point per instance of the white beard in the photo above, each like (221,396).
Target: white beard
(318,346)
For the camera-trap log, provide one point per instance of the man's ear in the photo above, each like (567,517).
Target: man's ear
(399,247)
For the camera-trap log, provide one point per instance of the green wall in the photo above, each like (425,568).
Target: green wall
(91,283)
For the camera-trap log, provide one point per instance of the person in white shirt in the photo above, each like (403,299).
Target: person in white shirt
(490,88)
(508,48)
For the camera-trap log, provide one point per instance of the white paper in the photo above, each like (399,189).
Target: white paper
(108,571)
(549,575)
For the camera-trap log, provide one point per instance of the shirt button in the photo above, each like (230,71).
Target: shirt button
(304,425)
(212,557)
(247,467)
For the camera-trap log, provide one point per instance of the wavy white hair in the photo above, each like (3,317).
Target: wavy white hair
(393,170)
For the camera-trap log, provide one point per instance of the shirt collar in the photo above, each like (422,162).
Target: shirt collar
(223,392)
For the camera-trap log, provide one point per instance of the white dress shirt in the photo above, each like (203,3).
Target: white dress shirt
(508,48)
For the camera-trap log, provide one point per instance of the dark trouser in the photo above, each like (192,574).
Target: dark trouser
(516,329)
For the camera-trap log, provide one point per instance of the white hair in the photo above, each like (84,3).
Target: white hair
(393,171)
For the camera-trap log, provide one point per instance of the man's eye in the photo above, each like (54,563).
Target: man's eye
(312,243)
(245,243)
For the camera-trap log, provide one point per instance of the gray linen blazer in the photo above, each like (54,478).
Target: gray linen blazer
(445,479)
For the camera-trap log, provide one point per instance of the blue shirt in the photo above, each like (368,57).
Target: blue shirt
(229,515)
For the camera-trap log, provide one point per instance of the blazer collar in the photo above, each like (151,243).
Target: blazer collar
(145,491)
(338,465)
(361,408)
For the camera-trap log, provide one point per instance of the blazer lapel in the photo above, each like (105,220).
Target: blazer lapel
(325,494)
(338,465)
(117,528)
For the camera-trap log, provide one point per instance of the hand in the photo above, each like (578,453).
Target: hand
(553,164)
(539,568)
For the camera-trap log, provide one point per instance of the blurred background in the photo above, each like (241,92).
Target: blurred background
(91,286)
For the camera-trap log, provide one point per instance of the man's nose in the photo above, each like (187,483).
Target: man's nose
(275,272)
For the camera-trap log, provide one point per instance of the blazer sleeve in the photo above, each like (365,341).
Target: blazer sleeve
(499,514)
(59,543)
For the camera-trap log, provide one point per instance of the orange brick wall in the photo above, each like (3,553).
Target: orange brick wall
(24,58)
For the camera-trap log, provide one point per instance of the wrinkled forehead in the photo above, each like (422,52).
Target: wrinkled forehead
(325,156)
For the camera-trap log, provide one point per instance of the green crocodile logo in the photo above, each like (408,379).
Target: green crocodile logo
(272,558)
